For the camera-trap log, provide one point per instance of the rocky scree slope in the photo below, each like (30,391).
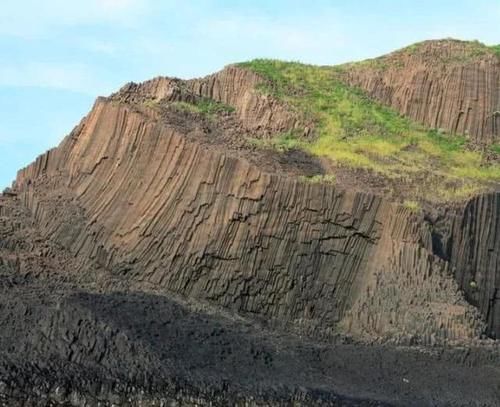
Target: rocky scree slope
(159,189)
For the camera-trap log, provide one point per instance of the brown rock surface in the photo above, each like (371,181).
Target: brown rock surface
(131,191)
(449,84)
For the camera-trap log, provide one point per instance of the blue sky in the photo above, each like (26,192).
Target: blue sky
(56,56)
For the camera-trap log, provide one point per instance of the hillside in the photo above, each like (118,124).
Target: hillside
(250,235)
(448,84)
(443,156)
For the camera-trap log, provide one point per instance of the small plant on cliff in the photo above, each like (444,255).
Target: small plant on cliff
(413,206)
(281,142)
(207,107)
(320,179)
(150,103)
(211,107)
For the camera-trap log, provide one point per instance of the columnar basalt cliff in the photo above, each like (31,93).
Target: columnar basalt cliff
(453,85)
(201,223)
(156,204)
(160,209)
(475,256)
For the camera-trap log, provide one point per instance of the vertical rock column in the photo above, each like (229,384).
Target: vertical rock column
(475,256)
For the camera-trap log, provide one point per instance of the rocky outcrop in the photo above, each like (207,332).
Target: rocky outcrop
(238,87)
(450,85)
(259,113)
(134,195)
(411,294)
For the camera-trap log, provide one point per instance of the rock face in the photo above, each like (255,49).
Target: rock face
(87,338)
(82,335)
(442,84)
(144,202)
(200,223)
(475,256)
(130,191)
(233,86)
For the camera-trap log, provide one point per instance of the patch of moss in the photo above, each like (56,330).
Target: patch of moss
(207,107)
(320,179)
(413,206)
(281,142)
(150,103)
(352,130)
(495,148)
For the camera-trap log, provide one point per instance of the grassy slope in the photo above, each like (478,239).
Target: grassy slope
(356,132)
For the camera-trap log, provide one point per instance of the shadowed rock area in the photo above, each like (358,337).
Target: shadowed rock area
(158,255)
(64,341)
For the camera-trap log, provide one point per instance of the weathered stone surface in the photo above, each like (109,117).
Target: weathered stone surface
(475,256)
(411,293)
(201,223)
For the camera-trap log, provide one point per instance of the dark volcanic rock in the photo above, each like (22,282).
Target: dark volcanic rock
(475,255)
(70,344)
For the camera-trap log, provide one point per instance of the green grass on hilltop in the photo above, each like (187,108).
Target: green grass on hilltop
(473,48)
(482,49)
(465,52)
(356,132)
(495,49)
